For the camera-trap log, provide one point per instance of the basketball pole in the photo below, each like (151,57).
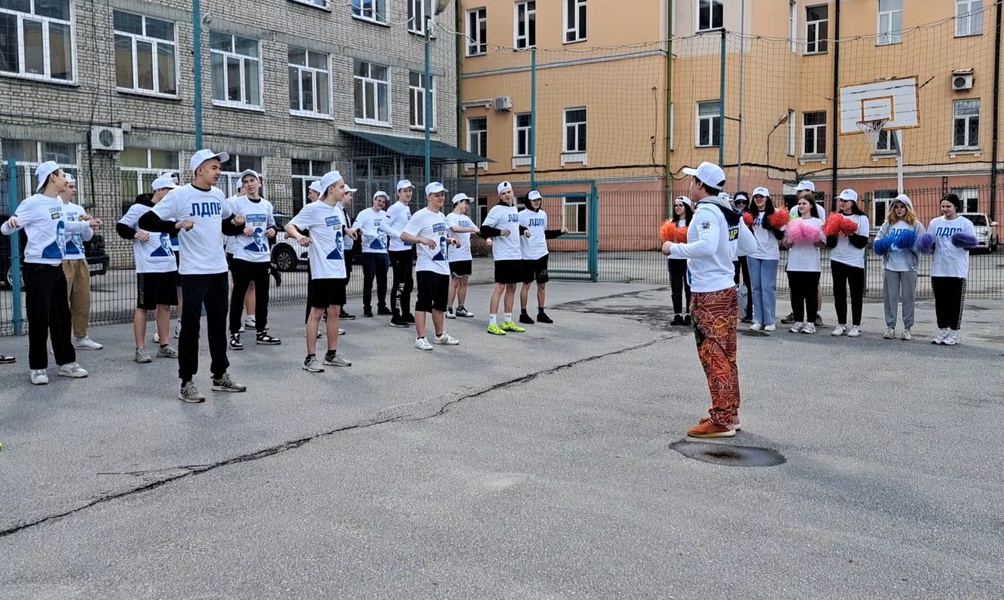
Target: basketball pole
(899,159)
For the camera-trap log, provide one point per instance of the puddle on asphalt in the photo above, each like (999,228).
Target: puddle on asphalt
(729,455)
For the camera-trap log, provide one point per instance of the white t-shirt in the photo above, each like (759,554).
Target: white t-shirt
(155,255)
(535,246)
(711,244)
(398,216)
(74,241)
(44,222)
(347,242)
(679,224)
(804,256)
(376,231)
(230,241)
(326,252)
(464,251)
(844,252)
(259,216)
(948,260)
(505,217)
(201,253)
(766,244)
(430,224)
(900,259)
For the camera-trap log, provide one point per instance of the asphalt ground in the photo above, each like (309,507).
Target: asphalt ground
(539,465)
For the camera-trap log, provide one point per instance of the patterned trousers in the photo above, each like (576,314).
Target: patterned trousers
(715,315)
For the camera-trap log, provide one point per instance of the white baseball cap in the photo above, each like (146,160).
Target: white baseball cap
(709,174)
(762,191)
(316,186)
(351,190)
(330,178)
(505,185)
(741,196)
(203,155)
(381,194)
(247,172)
(163,182)
(461,197)
(43,171)
(904,199)
(849,195)
(805,186)
(534,195)
(404,184)
(685,200)
(70,179)
(434,188)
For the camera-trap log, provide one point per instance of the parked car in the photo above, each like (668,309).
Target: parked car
(97,258)
(986,231)
(287,255)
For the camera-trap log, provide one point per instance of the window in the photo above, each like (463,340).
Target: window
(709,123)
(814,133)
(816,25)
(574,211)
(890,22)
(526,25)
(710,14)
(883,200)
(793,25)
(372,91)
(966,125)
(482,208)
(236,70)
(968,17)
(418,10)
(887,142)
(29,154)
(317,3)
(791,133)
(229,181)
(970,198)
(477,136)
(308,83)
(416,104)
(370,10)
(140,166)
(575,130)
(477,32)
(521,139)
(36,39)
(575,21)
(145,55)
(305,172)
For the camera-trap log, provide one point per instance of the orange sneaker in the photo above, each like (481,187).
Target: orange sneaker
(710,430)
(735,422)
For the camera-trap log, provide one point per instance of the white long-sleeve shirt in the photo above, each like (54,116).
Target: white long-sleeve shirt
(398,216)
(712,241)
(44,222)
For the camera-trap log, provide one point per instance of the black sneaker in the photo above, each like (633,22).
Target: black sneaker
(398,322)
(235,342)
(789,319)
(525,318)
(7,360)
(368,313)
(543,318)
(384,311)
(746,320)
(677,320)
(819,321)
(687,320)
(346,316)
(409,319)
(265,339)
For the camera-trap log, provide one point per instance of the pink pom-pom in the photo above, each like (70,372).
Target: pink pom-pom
(800,231)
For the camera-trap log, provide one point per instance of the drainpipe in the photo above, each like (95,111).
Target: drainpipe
(836,105)
(669,106)
(996,111)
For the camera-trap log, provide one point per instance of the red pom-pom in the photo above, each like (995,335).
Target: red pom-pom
(779,219)
(848,228)
(834,225)
(668,231)
(681,235)
(748,219)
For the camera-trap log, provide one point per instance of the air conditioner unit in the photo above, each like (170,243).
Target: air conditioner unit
(108,139)
(503,103)
(962,80)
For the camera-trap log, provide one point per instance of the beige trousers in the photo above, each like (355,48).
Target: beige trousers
(78,286)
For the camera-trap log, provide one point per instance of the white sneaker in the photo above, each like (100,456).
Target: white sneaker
(940,338)
(890,334)
(839,330)
(906,337)
(797,327)
(86,343)
(177,330)
(39,377)
(156,337)
(312,365)
(809,328)
(952,338)
(854,332)
(249,323)
(449,313)
(446,340)
(756,327)
(341,331)
(423,344)
(770,328)
(73,370)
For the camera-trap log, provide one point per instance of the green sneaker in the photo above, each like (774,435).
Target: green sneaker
(495,330)
(510,326)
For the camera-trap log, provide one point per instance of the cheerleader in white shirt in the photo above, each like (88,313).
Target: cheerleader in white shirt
(897,243)
(804,238)
(847,234)
(675,231)
(953,237)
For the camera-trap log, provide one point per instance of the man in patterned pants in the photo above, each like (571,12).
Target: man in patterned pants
(715,235)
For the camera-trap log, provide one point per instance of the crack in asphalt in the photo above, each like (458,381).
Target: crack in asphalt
(192,470)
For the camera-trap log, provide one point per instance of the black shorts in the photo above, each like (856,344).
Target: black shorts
(156,288)
(508,271)
(461,268)
(177,272)
(230,261)
(432,291)
(327,292)
(535,270)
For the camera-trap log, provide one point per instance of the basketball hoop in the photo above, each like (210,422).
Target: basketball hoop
(872,129)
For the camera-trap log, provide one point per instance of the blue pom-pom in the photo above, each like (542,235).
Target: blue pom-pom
(964,240)
(882,246)
(906,240)
(925,244)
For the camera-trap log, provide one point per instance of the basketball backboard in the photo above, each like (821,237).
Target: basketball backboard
(894,100)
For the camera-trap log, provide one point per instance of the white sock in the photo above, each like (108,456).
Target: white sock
(508,317)
(250,317)
(492,320)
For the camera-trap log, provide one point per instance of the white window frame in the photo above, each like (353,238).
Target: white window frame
(145,175)
(970,198)
(371,84)
(968,18)
(155,44)
(578,153)
(27,168)
(315,3)
(477,31)
(713,140)
(528,19)
(476,138)
(243,60)
(318,112)
(416,97)
(376,13)
(966,119)
(521,133)
(575,31)
(581,204)
(812,31)
(306,180)
(793,25)
(887,34)
(792,133)
(417,12)
(887,142)
(883,199)
(46,75)
(819,148)
(711,16)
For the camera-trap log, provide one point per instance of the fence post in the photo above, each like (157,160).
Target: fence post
(593,225)
(533,118)
(15,250)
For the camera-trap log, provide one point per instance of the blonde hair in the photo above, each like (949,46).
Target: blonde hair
(910,217)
